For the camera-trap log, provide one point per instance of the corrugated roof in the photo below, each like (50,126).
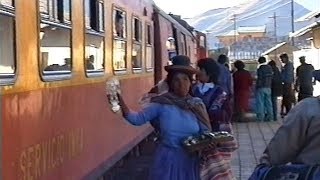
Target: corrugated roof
(304,30)
(246,29)
(308,16)
(230,33)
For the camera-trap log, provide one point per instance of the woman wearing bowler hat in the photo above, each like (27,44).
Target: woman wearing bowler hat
(180,116)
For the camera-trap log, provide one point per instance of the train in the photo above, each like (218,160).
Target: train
(55,57)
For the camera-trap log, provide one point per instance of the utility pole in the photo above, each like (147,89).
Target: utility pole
(292,20)
(234,19)
(274,17)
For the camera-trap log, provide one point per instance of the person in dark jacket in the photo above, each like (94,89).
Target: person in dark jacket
(287,75)
(264,108)
(304,82)
(276,88)
(316,76)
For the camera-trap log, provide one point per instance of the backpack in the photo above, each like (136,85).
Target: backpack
(286,172)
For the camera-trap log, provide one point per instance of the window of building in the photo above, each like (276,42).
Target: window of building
(94,39)
(7,43)
(136,58)
(119,41)
(55,40)
(149,49)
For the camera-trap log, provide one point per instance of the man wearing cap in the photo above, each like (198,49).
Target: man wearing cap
(304,81)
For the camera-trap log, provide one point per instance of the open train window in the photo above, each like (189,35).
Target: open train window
(137,45)
(119,41)
(56,10)
(183,44)
(94,15)
(55,40)
(94,38)
(7,43)
(7,4)
(149,49)
(202,41)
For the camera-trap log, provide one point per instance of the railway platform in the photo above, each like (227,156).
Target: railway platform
(252,138)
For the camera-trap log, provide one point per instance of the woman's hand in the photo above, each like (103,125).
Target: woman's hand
(124,108)
(211,146)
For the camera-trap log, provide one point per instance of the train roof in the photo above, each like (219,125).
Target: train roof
(172,20)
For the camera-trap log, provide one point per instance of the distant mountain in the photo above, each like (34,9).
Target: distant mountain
(255,13)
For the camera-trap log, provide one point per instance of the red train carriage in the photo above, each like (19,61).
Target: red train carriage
(171,39)
(202,50)
(55,56)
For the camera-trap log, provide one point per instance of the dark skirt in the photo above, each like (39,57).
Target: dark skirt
(174,164)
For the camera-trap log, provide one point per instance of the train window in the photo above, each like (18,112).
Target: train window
(119,55)
(202,41)
(94,53)
(94,38)
(56,10)
(136,57)
(136,46)
(149,34)
(101,15)
(149,49)
(44,7)
(8,3)
(119,41)
(7,44)
(119,23)
(55,40)
(137,26)
(64,10)
(183,44)
(94,15)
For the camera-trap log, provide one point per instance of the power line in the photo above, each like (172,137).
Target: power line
(292,20)
(251,15)
(234,19)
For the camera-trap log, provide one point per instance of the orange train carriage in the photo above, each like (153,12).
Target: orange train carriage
(55,56)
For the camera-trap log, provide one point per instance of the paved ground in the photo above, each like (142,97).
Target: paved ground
(252,137)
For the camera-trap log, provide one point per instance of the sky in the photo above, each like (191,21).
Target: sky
(191,8)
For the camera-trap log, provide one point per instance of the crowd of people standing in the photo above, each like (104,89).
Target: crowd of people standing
(273,83)
(180,106)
